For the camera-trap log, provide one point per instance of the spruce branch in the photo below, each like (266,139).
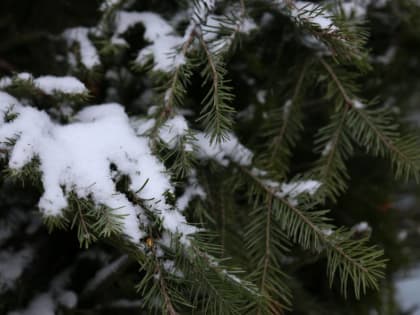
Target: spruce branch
(334,143)
(348,100)
(282,128)
(81,220)
(272,280)
(351,259)
(179,80)
(216,115)
(376,130)
(339,37)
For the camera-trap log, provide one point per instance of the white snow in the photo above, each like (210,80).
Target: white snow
(312,13)
(202,9)
(142,126)
(68,299)
(294,189)
(173,130)
(52,84)
(223,151)
(407,288)
(12,265)
(108,3)
(163,53)
(88,54)
(361,227)
(327,149)
(5,82)
(193,190)
(158,32)
(49,84)
(42,304)
(105,272)
(354,9)
(262,96)
(327,232)
(388,56)
(6,101)
(286,108)
(357,9)
(155,26)
(358,104)
(24,76)
(247,26)
(402,235)
(213,22)
(77,158)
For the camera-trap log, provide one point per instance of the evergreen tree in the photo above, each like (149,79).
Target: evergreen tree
(205,157)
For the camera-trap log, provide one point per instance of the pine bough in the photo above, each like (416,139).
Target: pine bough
(112,176)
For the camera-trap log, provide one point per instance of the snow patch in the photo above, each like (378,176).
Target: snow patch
(309,12)
(104,273)
(193,190)
(88,54)
(67,85)
(358,104)
(12,265)
(158,32)
(77,158)
(173,130)
(221,152)
(294,189)
(49,84)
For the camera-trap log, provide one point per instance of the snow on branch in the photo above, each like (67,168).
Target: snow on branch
(48,84)
(12,265)
(158,32)
(78,158)
(88,54)
(308,12)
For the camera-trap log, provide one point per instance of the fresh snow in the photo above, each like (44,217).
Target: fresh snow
(42,304)
(49,84)
(357,9)
(262,96)
(193,190)
(163,39)
(294,189)
(88,54)
(223,152)
(68,299)
(327,149)
(12,265)
(158,32)
(7,101)
(407,287)
(173,130)
(286,108)
(77,158)
(244,25)
(312,13)
(358,104)
(361,227)
(52,84)
(104,273)
(202,9)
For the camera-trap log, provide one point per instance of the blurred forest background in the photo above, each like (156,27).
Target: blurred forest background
(30,41)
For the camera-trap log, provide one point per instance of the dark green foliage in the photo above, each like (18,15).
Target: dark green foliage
(313,104)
